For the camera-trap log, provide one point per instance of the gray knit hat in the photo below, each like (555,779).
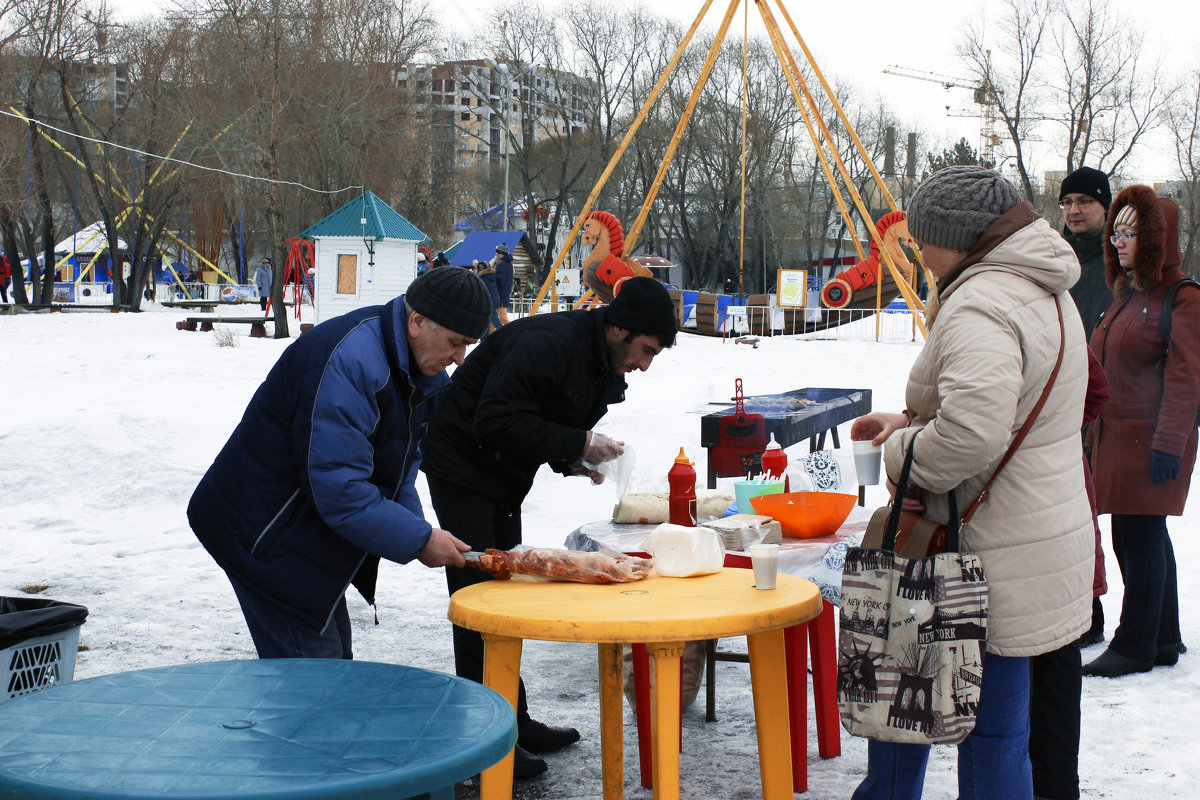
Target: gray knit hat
(455,298)
(954,206)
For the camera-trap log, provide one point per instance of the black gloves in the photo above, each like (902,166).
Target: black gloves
(1163,466)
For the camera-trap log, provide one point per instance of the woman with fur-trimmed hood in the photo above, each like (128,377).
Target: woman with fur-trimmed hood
(1144,443)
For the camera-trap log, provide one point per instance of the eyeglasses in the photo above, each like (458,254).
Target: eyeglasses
(1122,237)
(1079,202)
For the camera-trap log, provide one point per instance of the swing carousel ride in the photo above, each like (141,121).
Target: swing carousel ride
(883,270)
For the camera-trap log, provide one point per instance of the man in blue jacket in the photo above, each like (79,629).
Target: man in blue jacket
(316,483)
(529,395)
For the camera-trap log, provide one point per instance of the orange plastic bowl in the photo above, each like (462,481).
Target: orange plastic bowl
(806,515)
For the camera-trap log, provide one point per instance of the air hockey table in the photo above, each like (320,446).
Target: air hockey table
(735,445)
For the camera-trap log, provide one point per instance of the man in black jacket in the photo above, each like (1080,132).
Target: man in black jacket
(1084,198)
(529,395)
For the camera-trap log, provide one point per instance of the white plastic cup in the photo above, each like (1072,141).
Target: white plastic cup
(765,560)
(866,461)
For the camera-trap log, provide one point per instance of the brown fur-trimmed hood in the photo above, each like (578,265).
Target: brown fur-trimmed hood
(1157,228)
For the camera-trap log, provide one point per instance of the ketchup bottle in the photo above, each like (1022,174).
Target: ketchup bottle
(774,461)
(682,502)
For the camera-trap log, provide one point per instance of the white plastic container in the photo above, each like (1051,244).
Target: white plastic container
(682,552)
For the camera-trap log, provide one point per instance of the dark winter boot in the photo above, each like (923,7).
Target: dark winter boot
(1094,634)
(538,737)
(1113,665)
(1168,655)
(526,766)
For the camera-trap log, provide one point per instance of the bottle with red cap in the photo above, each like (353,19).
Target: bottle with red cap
(774,462)
(681,504)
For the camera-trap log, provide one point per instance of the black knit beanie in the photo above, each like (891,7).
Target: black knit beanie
(1091,182)
(954,206)
(642,305)
(455,298)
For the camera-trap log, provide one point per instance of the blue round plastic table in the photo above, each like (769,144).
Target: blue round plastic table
(284,728)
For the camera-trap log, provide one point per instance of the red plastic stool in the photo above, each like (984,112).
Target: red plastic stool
(823,644)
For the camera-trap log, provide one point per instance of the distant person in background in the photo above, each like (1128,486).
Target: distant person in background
(317,482)
(422,264)
(440,260)
(1144,443)
(5,277)
(262,282)
(487,273)
(503,262)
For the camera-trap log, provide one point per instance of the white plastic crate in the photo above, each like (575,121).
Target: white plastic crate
(38,662)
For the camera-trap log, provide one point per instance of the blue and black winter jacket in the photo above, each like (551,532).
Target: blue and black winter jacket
(316,482)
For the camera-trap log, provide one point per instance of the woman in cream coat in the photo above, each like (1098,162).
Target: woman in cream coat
(993,341)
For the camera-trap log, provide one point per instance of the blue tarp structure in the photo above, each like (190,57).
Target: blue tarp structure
(481,246)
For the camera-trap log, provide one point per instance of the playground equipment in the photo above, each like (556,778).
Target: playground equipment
(607,267)
(901,271)
(858,286)
(298,270)
(133,206)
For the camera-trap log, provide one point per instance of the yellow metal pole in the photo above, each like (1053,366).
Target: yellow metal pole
(837,106)
(620,151)
(910,297)
(745,92)
(632,234)
(780,50)
(901,284)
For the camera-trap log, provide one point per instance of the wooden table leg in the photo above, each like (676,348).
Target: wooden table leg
(612,732)
(664,718)
(767,664)
(501,672)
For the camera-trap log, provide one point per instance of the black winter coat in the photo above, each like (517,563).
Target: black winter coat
(525,396)
(1091,293)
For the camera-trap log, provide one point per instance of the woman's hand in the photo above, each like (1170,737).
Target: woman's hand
(911,502)
(877,426)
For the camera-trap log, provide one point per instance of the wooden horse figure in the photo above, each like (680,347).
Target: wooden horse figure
(606,267)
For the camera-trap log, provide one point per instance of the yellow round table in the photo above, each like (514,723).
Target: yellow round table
(663,613)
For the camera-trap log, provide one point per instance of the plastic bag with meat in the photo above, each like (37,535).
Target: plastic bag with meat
(561,565)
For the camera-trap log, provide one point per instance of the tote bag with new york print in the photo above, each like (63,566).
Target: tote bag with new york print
(913,634)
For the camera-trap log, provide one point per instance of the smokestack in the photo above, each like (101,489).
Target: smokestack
(889,152)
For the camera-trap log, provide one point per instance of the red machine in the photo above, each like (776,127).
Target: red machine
(741,439)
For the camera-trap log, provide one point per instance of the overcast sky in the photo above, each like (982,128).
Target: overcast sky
(855,40)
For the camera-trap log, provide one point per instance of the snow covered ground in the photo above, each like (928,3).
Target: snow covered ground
(107,421)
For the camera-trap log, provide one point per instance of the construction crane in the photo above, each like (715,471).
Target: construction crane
(982,92)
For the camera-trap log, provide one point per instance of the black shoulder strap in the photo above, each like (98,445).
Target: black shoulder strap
(1168,307)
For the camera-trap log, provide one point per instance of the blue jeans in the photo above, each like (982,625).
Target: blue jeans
(993,761)
(280,635)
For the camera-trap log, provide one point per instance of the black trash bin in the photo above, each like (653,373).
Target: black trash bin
(38,642)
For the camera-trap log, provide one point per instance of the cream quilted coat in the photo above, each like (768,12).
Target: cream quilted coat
(990,351)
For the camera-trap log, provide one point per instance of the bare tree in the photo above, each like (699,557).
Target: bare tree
(1109,97)
(1008,71)
(1183,118)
